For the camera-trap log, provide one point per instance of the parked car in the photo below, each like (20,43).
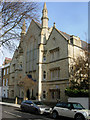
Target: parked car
(35,107)
(71,110)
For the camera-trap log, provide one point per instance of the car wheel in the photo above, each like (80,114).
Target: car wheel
(54,114)
(79,117)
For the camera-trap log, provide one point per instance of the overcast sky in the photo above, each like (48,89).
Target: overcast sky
(70,17)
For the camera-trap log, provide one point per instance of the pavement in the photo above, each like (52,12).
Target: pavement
(10,104)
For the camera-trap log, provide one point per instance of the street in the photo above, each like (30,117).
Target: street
(17,114)
(12,113)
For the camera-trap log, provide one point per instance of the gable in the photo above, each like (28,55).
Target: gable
(57,41)
(33,29)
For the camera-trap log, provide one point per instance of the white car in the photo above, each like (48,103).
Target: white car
(71,110)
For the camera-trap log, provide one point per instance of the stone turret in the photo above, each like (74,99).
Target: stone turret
(44,37)
(45,22)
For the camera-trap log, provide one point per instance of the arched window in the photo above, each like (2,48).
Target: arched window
(44,75)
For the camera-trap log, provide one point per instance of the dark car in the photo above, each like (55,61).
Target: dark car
(35,107)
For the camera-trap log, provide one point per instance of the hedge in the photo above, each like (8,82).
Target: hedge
(76,93)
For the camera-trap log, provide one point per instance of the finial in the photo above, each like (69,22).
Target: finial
(45,8)
(23,28)
(54,25)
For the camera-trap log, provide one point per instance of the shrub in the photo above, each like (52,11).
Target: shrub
(76,92)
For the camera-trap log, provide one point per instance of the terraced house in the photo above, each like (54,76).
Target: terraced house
(40,66)
(5,77)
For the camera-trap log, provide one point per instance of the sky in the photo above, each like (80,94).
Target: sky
(70,17)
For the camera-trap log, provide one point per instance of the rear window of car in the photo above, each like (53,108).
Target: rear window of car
(64,105)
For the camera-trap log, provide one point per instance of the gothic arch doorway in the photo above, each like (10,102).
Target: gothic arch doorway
(28,94)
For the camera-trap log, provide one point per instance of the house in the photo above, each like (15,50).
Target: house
(40,66)
(5,77)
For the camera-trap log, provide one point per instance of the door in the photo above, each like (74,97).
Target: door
(67,111)
(28,94)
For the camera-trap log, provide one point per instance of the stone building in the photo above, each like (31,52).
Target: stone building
(5,78)
(40,66)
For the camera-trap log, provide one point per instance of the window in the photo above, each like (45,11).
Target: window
(71,40)
(77,106)
(44,75)
(3,82)
(6,82)
(7,70)
(54,54)
(20,66)
(55,73)
(59,105)
(44,58)
(44,94)
(4,71)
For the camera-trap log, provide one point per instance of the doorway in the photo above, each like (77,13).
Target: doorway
(28,94)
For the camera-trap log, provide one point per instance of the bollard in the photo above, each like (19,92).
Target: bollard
(16,100)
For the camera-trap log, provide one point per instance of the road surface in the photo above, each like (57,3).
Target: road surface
(13,113)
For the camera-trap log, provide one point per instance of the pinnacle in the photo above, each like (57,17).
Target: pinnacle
(45,8)
(23,28)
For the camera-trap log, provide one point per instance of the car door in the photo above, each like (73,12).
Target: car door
(30,107)
(26,106)
(67,111)
(59,108)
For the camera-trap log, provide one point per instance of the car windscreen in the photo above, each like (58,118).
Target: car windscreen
(77,106)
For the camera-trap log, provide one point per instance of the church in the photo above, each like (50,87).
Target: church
(40,66)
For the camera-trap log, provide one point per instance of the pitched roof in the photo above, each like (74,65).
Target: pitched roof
(65,34)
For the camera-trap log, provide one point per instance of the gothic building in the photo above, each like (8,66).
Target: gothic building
(40,66)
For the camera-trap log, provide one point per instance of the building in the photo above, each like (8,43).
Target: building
(40,66)
(5,77)
(0,83)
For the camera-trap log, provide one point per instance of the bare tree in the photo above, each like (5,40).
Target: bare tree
(13,14)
